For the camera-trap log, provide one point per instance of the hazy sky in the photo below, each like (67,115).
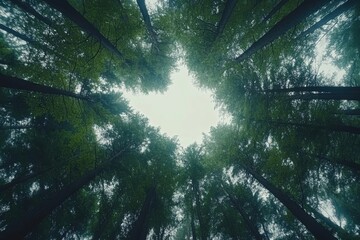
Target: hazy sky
(184,110)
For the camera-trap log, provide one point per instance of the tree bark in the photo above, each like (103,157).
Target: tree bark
(27,8)
(355,167)
(147,21)
(19,228)
(338,11)
(196,192)
(325,96)
(193,229)
(305,9)
(274,10)
(22,179)
(340,231)
(16,127)
(30,41)
(225,16)
(21,84)
(251,226)
(318,230)
(319,89)
(350,112)
(330,127)
(19,35)
(140,227)
(70,12)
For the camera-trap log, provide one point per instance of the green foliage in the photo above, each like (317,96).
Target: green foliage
(305,147)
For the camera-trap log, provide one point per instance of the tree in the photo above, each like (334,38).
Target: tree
(276,8)
(27,8)
(251,226)
(21,84)
(70,12)
(227,12)
(140,226)
(338,11)
(147,21)
(305,9)
(319,231)
(195,170)
(21,227)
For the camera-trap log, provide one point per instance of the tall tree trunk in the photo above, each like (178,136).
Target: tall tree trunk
(251,226)
(19,228)
(320,92)
(355,167)
(19,35)
(21,179)
(329,127)
(105,215)
(147,21)
(16,127)
(325,96)
(70,12)
(225,16)
(339,10)
(319,89)
(318,230)
(274,10)
(30,41)
(340,231)
(21,84)
(140,228)
(350,112)
(192,222)
(27,8)
(305,9)
(196,193)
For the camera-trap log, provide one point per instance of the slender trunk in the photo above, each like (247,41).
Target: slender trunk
(16,127)
(340,231)
(329,127)
(30,41)
(196,192)
(274,10)
(21,84)
(325,96)
(19,35)
(251,226)
(70,12)
(319,89)
(27,8)
(226,14)
(19,228)
(22,179)
(351,112)
(6,62)
(305,9)
(193,229)
(104,216)
(339,10)
(318,230)
(147,21)
(355,167)
(140,228)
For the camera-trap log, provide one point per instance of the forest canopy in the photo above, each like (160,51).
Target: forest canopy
(76,162)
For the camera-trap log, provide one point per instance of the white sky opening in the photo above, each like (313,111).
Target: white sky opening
(183,110)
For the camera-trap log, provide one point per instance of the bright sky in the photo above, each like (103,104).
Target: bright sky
(183,111)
